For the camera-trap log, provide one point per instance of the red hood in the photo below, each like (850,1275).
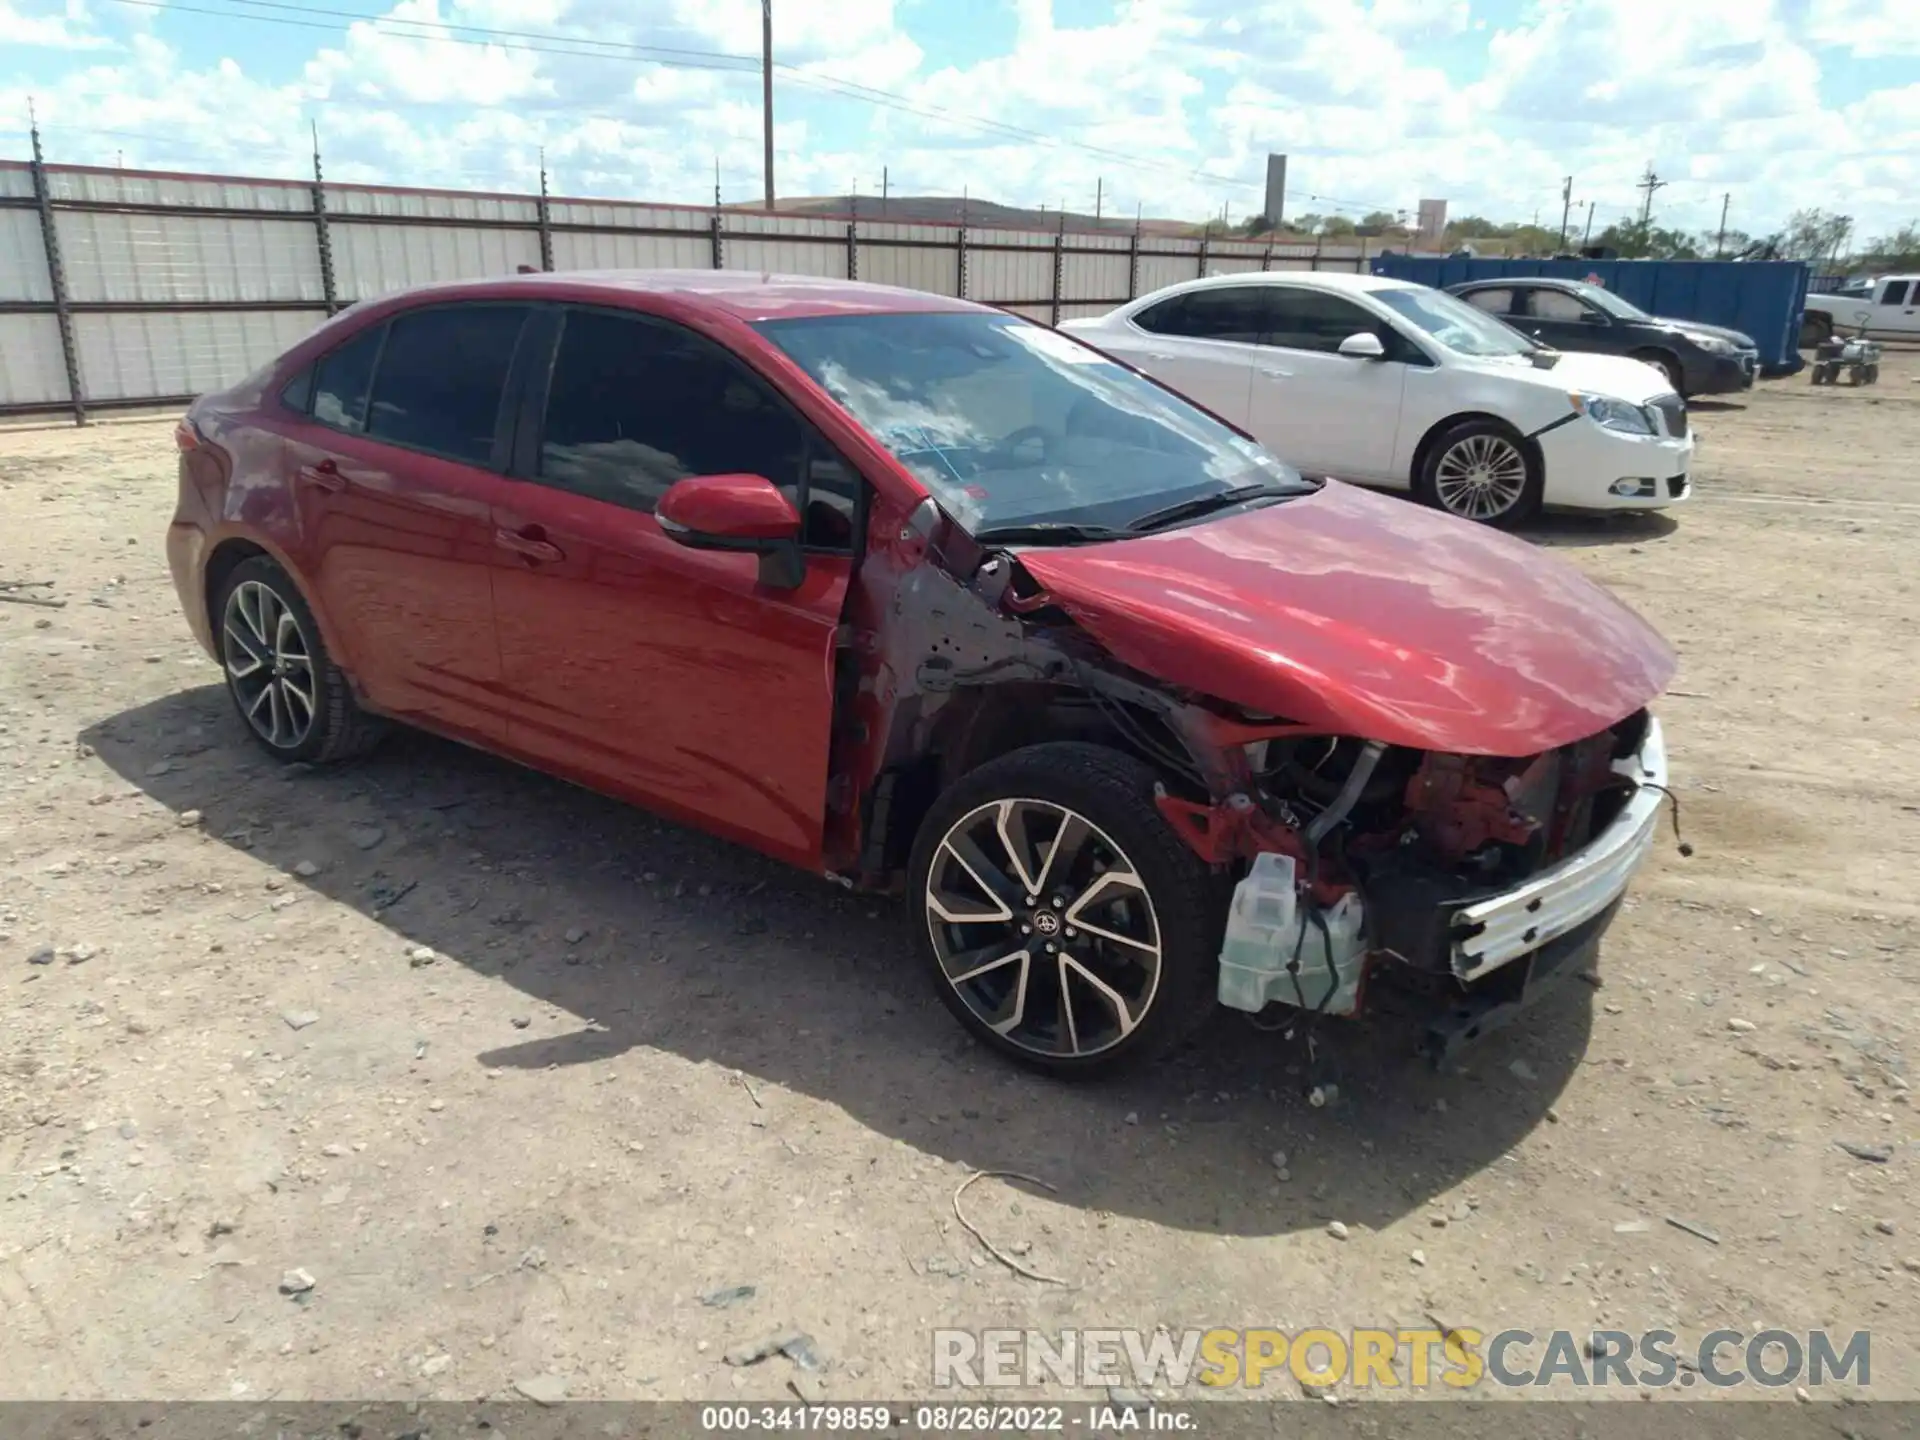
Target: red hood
(1371,617)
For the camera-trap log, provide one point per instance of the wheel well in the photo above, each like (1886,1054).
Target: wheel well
(1656,355)
(228,556)
(1439,428)
(982,725)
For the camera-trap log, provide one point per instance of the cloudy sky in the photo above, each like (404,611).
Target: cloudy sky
(1170,105)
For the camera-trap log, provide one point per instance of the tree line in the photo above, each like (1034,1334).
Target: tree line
(1820,238)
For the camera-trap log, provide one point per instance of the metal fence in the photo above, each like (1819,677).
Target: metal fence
(127,288)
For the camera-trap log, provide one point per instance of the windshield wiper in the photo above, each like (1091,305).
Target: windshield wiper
(1048,532)
(1207,504)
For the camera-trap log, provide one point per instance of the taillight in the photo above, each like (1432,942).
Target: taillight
(186,437)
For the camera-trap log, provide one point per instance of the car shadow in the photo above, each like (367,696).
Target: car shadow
(1580,529)
(717,955)
(1711,405)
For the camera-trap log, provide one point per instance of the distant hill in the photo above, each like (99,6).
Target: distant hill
(952,209)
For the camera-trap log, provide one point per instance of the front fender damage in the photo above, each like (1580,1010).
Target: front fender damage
(1347,855)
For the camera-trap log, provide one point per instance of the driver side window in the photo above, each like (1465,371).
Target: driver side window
(635,405)
(1558,305)
(1302,319)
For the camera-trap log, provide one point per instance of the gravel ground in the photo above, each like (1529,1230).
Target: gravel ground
(515,1075)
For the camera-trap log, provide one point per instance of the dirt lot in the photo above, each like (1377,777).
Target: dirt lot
(641,1065)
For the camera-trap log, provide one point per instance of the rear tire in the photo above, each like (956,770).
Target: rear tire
(1133,918)
(292,698)
(1483,471)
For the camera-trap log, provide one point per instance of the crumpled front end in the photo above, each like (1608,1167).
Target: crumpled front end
(1453,797)
(1475,881)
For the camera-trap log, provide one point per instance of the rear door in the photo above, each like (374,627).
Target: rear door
(1502,302)
(397,467)
(1324,412)
(1203,343)
(632,663)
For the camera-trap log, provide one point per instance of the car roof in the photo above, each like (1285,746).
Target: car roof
(1537,282)
(1344,282)
(743,294)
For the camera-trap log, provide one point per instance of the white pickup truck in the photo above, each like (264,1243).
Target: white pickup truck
(1889,311)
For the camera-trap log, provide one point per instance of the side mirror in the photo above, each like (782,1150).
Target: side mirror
(743,513)
(1594,317)
(1363,346)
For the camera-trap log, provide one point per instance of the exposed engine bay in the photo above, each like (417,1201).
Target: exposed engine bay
(1363,853)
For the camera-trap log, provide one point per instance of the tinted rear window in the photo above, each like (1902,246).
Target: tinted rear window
(340,382)
(441,378)
(1231,312)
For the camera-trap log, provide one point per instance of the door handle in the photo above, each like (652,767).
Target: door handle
(530,544)
(1158,355)
(1276,372)
(324,475)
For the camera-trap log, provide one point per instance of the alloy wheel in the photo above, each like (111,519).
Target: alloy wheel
(269,665)
(1043,927)
(1481,477)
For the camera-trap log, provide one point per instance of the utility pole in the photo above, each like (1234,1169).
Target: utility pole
(886,185)
(1649,182)
(1587,235)
(716,182)
(766,90)
(1099,186)
(1720,240)
(1566,209)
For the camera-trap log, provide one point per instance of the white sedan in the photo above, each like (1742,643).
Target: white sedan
(1398,385)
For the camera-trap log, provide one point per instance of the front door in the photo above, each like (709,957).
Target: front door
(1324,412)
(1896,311)
(397,468)
(672,676)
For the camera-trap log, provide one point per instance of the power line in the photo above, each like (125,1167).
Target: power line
(548,43)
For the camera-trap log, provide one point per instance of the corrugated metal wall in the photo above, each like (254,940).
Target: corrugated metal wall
(177,284)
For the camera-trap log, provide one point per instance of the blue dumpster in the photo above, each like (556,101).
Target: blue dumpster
(1762,297)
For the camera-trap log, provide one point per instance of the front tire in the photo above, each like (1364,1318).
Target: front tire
(1058,916)
(1481,470)
(290,695)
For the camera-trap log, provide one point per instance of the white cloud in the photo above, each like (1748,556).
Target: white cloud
(1367,97)
(1866,28)
(63,27)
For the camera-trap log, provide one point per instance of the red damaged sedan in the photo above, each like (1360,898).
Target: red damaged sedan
(926,597)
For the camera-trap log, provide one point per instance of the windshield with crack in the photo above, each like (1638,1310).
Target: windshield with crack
(1010,423)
